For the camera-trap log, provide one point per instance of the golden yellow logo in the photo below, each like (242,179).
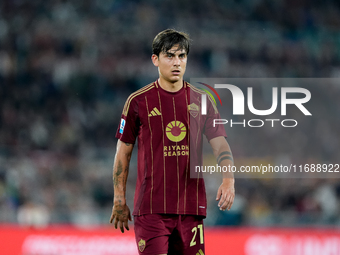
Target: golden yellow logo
(175,131)
(141,245)
(154,112)
(200,252)
(193,109)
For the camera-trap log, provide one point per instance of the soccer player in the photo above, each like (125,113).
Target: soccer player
(169,205)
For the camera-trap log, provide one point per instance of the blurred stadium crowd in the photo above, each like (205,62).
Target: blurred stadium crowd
(66,68)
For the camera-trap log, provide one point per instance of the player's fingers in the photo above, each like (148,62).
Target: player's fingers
(224,206)
(231,203)
(121,226)
(228,202)
(219,193)
(116,222)
(222,200)
(126,225)
(130,217)
(111,218)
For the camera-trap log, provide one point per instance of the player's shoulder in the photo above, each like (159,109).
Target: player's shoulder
(197,92)
(137,94)
(142,90)
(194,89)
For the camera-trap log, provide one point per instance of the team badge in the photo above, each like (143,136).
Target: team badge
(122,125)
(141,245)
(193,109)
(175,131)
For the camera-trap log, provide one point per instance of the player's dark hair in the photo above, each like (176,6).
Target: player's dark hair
(166,39)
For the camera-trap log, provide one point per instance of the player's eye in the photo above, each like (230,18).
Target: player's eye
(169,55)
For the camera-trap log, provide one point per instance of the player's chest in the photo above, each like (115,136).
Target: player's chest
(164,113)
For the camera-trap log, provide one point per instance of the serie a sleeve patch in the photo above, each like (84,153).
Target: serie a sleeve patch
(122,125)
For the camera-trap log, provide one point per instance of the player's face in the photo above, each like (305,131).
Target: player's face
(171,64)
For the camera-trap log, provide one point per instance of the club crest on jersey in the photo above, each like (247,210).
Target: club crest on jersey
(193,109)
(175,131)
(122,125)
(141,245)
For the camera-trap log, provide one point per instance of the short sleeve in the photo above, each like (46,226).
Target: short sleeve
(209,130)
(129,123)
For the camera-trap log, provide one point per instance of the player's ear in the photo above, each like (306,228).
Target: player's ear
(154,59)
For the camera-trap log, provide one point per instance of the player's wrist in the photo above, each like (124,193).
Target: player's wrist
(119,200)
(228,180)
(119,204)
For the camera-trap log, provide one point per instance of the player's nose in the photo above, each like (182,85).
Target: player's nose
(177,61)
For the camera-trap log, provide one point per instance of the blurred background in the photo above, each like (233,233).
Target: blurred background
(67,67)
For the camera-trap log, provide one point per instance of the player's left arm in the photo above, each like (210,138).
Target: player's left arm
(224,157)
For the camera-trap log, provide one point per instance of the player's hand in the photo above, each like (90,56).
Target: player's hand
(121,215)
(226,194)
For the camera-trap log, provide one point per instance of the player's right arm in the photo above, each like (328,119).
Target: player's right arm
(120,211)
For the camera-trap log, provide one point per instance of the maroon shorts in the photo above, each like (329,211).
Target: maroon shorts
(169,234)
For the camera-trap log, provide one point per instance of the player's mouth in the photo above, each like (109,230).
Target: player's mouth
(176,72)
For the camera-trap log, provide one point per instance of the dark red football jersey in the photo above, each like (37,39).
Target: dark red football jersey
(166,124)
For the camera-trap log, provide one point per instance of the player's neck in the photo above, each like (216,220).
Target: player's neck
(170,86)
